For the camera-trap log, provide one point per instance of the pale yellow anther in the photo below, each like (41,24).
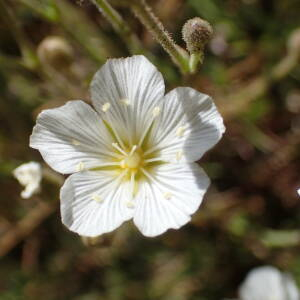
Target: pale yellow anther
(180,131)
(156,111)
(167,195)
(130,204)
(80,167)
(97,198)
(125,101)
(106,106)
(179,155)
(75,142)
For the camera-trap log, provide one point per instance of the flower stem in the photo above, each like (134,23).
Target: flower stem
(195,60)
(120,26)
(145,14)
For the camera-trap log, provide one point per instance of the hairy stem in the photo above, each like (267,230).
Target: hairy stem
(145,14)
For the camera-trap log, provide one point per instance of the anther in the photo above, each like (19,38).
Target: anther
(179,155)
(106,107)
(97,198)
(130,204)
(180,131)
(168,195)
(156,111)
(125,101)
(75,142)
(80,167)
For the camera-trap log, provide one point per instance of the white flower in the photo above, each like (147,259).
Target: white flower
(29,175)
(268,283)
(298,191)
(134,156)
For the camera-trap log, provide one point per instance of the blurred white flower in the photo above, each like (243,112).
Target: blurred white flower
(134,156)
(268,283)
(29,175)
(298,191)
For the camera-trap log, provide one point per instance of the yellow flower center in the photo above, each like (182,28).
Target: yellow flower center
(132,162)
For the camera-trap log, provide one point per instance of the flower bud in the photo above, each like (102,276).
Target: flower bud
(56,52)
(294,42)
(196,33)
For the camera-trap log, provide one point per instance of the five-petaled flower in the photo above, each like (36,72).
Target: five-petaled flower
(134,155)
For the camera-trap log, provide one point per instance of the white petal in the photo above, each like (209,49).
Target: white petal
(94,202)
(290,287)
(169,197)
(126,91)
(268,283)
(71,138)
(189,125)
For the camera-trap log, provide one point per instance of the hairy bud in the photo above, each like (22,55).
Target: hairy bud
(294,42)
(196,33)
(56,52)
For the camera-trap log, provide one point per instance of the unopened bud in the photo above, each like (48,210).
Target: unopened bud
(196,33)
(56,52)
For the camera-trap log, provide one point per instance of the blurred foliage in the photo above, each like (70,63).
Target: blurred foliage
(249,217)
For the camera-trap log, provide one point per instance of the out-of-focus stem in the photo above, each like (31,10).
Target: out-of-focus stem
(25,226)
(33,219)
(78,26)
(145,14)
(284,66)
(49,13)
(120,26)
(239,101)
(28,54)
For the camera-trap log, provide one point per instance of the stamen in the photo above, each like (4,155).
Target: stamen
(103,165)
(153,159)
(156,111)
(125,101)
(123,164)
(106,106)
(147,174)
(109,123)
(116,145)
(97,198)
(134,147)
(168,195)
